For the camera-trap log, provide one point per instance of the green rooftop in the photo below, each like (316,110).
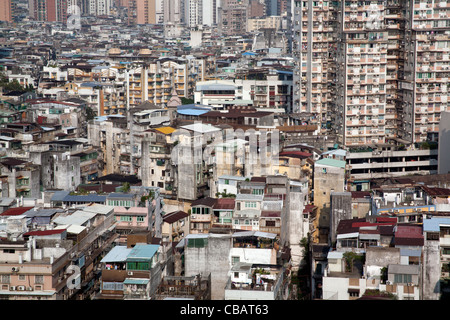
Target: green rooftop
(331,162)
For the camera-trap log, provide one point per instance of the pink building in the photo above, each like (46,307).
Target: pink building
(5,10)
(134,218)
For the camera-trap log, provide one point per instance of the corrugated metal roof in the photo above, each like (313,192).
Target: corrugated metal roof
(59,195)
(166,130)
(331,162)
(77,218)
(117,254)
(201,127)
(254,234)
(191,112)
(99,208)
(403,269)
(143,252)
(433,224)
(250,197)
(87,198)
(136,281)
(215,86)
(74,229)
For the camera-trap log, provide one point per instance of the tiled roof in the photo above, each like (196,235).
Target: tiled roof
(15,211)
(174,216)
(44,232)
(208,202)
(224,203)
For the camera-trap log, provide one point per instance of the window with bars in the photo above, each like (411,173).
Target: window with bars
(402,278)
(197,243)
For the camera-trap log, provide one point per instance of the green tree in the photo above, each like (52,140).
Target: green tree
(186,100)
(125,187)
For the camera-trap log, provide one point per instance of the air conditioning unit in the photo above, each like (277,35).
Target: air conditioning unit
(15,269)
(21,288)
(30,289)
(12,288)
(130,273)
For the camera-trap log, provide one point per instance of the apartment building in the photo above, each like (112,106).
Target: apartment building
(193,13)
(220,255)
(426,68)
(53,262)
(49,10)
(386,163)
(361,67)
(271,22)
(389,62)
(6,10)
(132,272)
(314,37)
(232,17)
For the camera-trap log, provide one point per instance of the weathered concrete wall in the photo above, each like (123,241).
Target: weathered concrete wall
(212,259)
(431,270)
(324,184)
(382,257)
(340,209)
(444,144)
(297,227)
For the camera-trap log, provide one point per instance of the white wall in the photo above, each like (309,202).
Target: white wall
(253,255)
(335,288)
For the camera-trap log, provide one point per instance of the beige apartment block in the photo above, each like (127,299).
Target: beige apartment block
(377,70)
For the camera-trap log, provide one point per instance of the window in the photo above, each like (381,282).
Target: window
(138,266)
(39,279)
(270,223)
(250,204)
(140,219)
(125,218)
(402,278)
(197,243)
(5,278)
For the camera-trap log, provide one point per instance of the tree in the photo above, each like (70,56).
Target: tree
(90,113)
(125,187)
(186,100)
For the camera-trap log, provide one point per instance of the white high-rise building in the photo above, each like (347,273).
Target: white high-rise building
(210,12)
(172,10)
(99,7)
(193,12)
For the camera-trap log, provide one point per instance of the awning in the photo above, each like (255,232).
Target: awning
(136,281)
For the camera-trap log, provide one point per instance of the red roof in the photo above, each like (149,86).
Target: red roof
(309,208)
(224,203)
(44,232)
(271,214)
(372,224)
(295,154)
(175,216)
(15,211)
(360,194)
(387,219)
(409,235)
